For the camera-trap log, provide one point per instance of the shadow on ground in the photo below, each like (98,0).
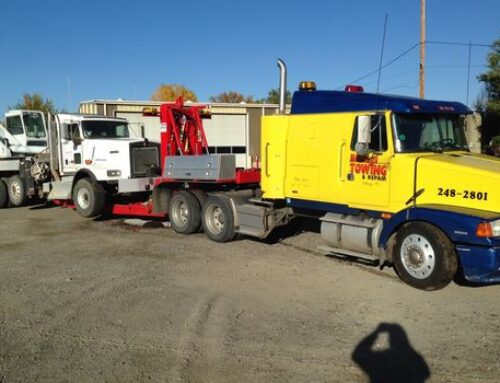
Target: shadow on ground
(387,356)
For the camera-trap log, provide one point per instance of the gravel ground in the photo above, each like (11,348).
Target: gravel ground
(87,301)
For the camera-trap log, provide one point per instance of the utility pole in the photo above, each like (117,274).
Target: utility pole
(422,49)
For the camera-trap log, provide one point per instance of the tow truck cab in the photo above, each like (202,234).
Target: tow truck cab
(390,178)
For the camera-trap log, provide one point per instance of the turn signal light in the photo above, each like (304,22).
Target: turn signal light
(88,162)
(484,230)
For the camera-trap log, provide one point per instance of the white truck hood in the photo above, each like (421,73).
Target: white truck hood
(114,154)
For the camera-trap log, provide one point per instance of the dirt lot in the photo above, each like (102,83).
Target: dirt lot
(103,301)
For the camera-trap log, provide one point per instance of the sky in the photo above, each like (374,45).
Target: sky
(71,51)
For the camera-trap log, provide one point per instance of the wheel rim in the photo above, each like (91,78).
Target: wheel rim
(417,256)
(180,213)
(83,198)
(215,219)
(15,191)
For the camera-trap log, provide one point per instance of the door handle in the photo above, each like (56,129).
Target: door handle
(341,161)
(267,159)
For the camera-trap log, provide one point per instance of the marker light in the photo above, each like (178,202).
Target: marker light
(488,229)
(307,86)
(205,114)
(150,111)
(354,89)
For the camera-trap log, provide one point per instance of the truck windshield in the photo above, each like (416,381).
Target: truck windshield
(429,133)
(105,129)
(35,127)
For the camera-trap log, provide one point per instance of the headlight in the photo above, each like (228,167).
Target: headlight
(495,226)
(488,229)
(114,173)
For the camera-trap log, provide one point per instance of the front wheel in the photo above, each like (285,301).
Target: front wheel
(89,198)
(17,191)
(217,218)
(424,256)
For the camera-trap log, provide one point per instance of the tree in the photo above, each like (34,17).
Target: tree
(35,101)
(232,98)
(491,105)
(273,97)
(169,92)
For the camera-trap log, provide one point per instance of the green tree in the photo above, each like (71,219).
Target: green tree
(35,101)
(490,106)
(169,92)
(273,97)
(232,97)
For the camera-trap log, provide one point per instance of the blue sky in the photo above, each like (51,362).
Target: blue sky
(112,49)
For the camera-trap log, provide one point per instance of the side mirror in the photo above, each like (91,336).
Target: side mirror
(364,135)
(364,129)
(77,141)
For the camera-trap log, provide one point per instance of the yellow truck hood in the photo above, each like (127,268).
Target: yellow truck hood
(459,179)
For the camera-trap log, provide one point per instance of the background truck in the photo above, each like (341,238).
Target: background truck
(390,179)
(23,137)
(78,160)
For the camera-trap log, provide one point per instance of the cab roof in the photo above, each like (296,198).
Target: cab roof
(327,101)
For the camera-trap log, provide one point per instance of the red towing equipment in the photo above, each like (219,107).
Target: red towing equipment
(186,164)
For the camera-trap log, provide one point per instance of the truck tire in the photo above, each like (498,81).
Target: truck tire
(424,257)
(217,218)
(89,198)
(184,213)
(17,191)
(4,195)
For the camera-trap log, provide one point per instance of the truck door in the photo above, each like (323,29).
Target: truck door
(71,146)
(366,170)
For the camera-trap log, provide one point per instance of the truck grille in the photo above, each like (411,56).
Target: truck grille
(145,161)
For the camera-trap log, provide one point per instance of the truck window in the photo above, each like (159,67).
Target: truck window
(378,134)
(15,125)
(70,131)
(105,129)
(429,132)
(35,127)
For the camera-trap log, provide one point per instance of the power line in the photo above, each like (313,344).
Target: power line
(385,65)
(459,44)
(381,54)
(404,53)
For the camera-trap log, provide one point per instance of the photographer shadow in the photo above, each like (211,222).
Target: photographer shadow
(387,356)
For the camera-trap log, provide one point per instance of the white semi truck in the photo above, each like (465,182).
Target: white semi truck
(80,159)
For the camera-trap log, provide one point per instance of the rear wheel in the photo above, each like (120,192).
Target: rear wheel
(184,213)
(218,218)
(424,257)
(4,195)
(89,198)
(17,191)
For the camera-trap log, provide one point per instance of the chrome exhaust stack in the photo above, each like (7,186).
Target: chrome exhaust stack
(282,106)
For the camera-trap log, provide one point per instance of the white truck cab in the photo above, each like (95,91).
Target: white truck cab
(86,159)
(25,132)
(100,145)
